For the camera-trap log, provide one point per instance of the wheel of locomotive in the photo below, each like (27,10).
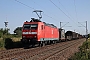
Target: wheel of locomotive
(54,42)
(42,43)
(49,42)
(33,45)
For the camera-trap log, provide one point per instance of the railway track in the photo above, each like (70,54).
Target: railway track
(45,55)
(49,52)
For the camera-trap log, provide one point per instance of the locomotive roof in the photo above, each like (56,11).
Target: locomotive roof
(37,20)
(51,25)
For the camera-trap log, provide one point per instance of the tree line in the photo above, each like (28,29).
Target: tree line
(17,32)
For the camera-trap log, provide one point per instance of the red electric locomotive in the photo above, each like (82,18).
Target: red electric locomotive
(39,32)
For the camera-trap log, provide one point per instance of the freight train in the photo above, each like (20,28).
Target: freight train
(70,35)
(38,32)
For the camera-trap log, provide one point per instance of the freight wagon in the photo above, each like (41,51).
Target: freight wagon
(62,35)
(70,35)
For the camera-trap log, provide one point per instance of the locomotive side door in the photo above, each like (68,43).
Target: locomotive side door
(42,31)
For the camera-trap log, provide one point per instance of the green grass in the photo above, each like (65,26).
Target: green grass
(2,44)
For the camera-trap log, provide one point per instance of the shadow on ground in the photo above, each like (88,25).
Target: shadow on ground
(9,44)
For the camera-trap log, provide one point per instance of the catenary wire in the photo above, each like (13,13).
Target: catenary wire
(34,9)
(24,4)
(62,11)
(64,8)
(44,13)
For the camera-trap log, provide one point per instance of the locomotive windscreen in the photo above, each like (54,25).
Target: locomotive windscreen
(30,26)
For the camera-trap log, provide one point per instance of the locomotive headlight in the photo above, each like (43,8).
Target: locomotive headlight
(35,36)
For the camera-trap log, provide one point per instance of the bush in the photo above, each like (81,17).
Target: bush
(8,43)
(84,52)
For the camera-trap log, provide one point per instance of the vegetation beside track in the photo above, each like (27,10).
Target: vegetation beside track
(84,52)
(9,41)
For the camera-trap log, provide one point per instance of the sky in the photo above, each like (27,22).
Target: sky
(72,13)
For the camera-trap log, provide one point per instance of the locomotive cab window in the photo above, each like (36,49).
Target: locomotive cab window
(30,26)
